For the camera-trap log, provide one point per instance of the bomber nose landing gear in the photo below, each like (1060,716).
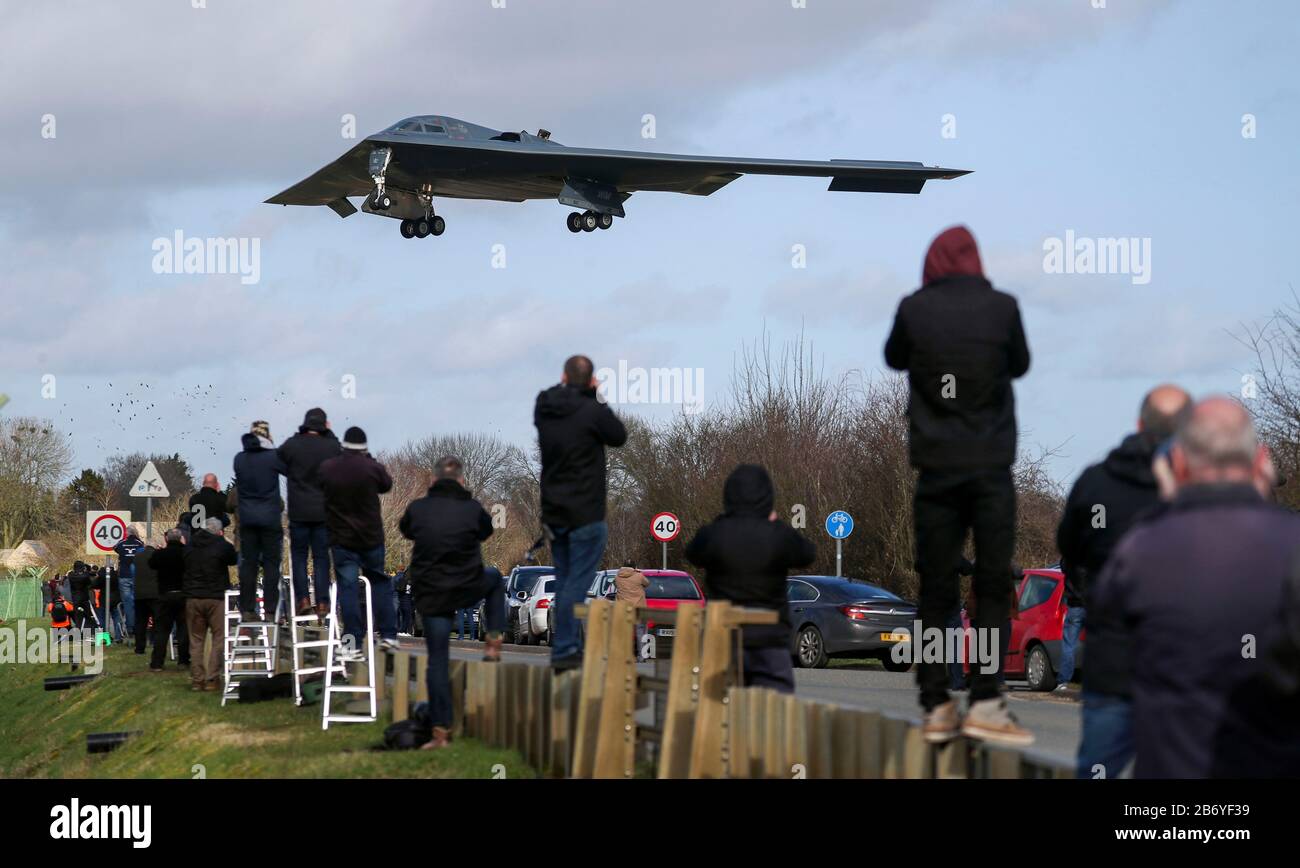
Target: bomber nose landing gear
(588,221)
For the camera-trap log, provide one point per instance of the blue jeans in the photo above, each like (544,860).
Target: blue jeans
(348,566)
(1069,641)
(1106,747)
(437,637)
(305,537)
(127,588)
(576,552)
(465,623)
(405,613)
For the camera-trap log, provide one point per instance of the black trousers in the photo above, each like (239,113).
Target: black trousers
(260,547)
(143,610)
(169,612)
(948,504)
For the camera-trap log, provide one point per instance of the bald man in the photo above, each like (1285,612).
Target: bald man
(1102,506)
(208,502)
(1194,590)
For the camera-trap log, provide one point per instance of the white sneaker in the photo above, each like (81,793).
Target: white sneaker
(390,644)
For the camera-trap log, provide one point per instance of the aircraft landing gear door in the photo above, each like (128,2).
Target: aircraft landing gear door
(379,160)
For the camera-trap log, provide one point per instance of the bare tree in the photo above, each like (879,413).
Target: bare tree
(1272,392)
(34,460)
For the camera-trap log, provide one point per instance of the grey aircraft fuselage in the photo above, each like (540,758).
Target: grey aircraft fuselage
(402,169)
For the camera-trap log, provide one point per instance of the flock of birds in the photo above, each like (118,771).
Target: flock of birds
(142,417)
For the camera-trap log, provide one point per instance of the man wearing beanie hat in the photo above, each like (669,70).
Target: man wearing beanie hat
(261,535)
(352,483)
(302,455)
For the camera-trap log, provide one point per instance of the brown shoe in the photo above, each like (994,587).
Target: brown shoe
(304,606)
(990,720)
(210,687)
(492,649)
(441,738)
(322,610)
(941,723)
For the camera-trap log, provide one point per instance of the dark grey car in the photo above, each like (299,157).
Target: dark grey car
(835,617)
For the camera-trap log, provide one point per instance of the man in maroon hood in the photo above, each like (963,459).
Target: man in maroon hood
(961,343)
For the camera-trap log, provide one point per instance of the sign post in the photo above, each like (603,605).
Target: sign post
(104,530)
(839,524)
(665,527)
(149,485)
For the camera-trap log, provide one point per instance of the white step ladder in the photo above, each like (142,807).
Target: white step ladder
(334,645)
(298,643)
(250,655)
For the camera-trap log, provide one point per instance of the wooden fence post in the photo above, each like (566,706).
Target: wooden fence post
(616,738)
(595,657)
(401,686)
(683,693)
(709,741)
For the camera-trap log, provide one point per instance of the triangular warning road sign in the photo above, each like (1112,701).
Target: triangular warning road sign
(150,483)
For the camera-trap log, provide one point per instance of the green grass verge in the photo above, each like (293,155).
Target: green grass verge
(185,734)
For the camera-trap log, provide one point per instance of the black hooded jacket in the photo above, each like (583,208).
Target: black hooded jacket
(746,557)
(208,559)
(961,343)
(1104,503)
(303,454)
(573,429)
(446,527)
(257,481)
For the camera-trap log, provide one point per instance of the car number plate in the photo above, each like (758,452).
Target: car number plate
(894,637)
(666,631)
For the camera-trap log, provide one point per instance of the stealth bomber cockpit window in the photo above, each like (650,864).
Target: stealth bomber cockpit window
(435,128)
(410,127)
(506,137)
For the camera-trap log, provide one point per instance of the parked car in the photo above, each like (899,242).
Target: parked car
(667,590)
(1034,650)
(519,585)
(531,624)
(838,617)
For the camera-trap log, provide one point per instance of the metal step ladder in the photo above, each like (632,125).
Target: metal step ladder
(334,647)
(250,648)
(299,644)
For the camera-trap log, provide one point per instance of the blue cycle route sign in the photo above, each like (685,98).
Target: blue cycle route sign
(839,524)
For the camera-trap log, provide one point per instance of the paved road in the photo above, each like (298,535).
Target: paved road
(1053,718)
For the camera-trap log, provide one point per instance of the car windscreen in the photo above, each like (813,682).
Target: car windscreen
(526,580)
(671,588)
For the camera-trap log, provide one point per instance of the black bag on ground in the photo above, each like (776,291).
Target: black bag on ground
(411,733)
(262,689)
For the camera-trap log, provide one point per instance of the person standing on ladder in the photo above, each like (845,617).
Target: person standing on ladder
(447,574)
(261,536)
(352,483)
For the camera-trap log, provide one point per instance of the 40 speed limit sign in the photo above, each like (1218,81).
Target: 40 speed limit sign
(665,527)
(105,530)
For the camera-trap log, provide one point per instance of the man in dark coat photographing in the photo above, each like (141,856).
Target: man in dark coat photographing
(447,573)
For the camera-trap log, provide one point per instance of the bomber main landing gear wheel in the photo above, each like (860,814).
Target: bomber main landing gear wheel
(605,220)
(408,229)
(421,228)
(589,221)
(574,222)
(437,226)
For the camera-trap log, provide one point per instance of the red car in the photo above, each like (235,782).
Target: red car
(1034,652)
(667,590)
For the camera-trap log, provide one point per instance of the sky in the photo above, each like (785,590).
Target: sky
(1173,124)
